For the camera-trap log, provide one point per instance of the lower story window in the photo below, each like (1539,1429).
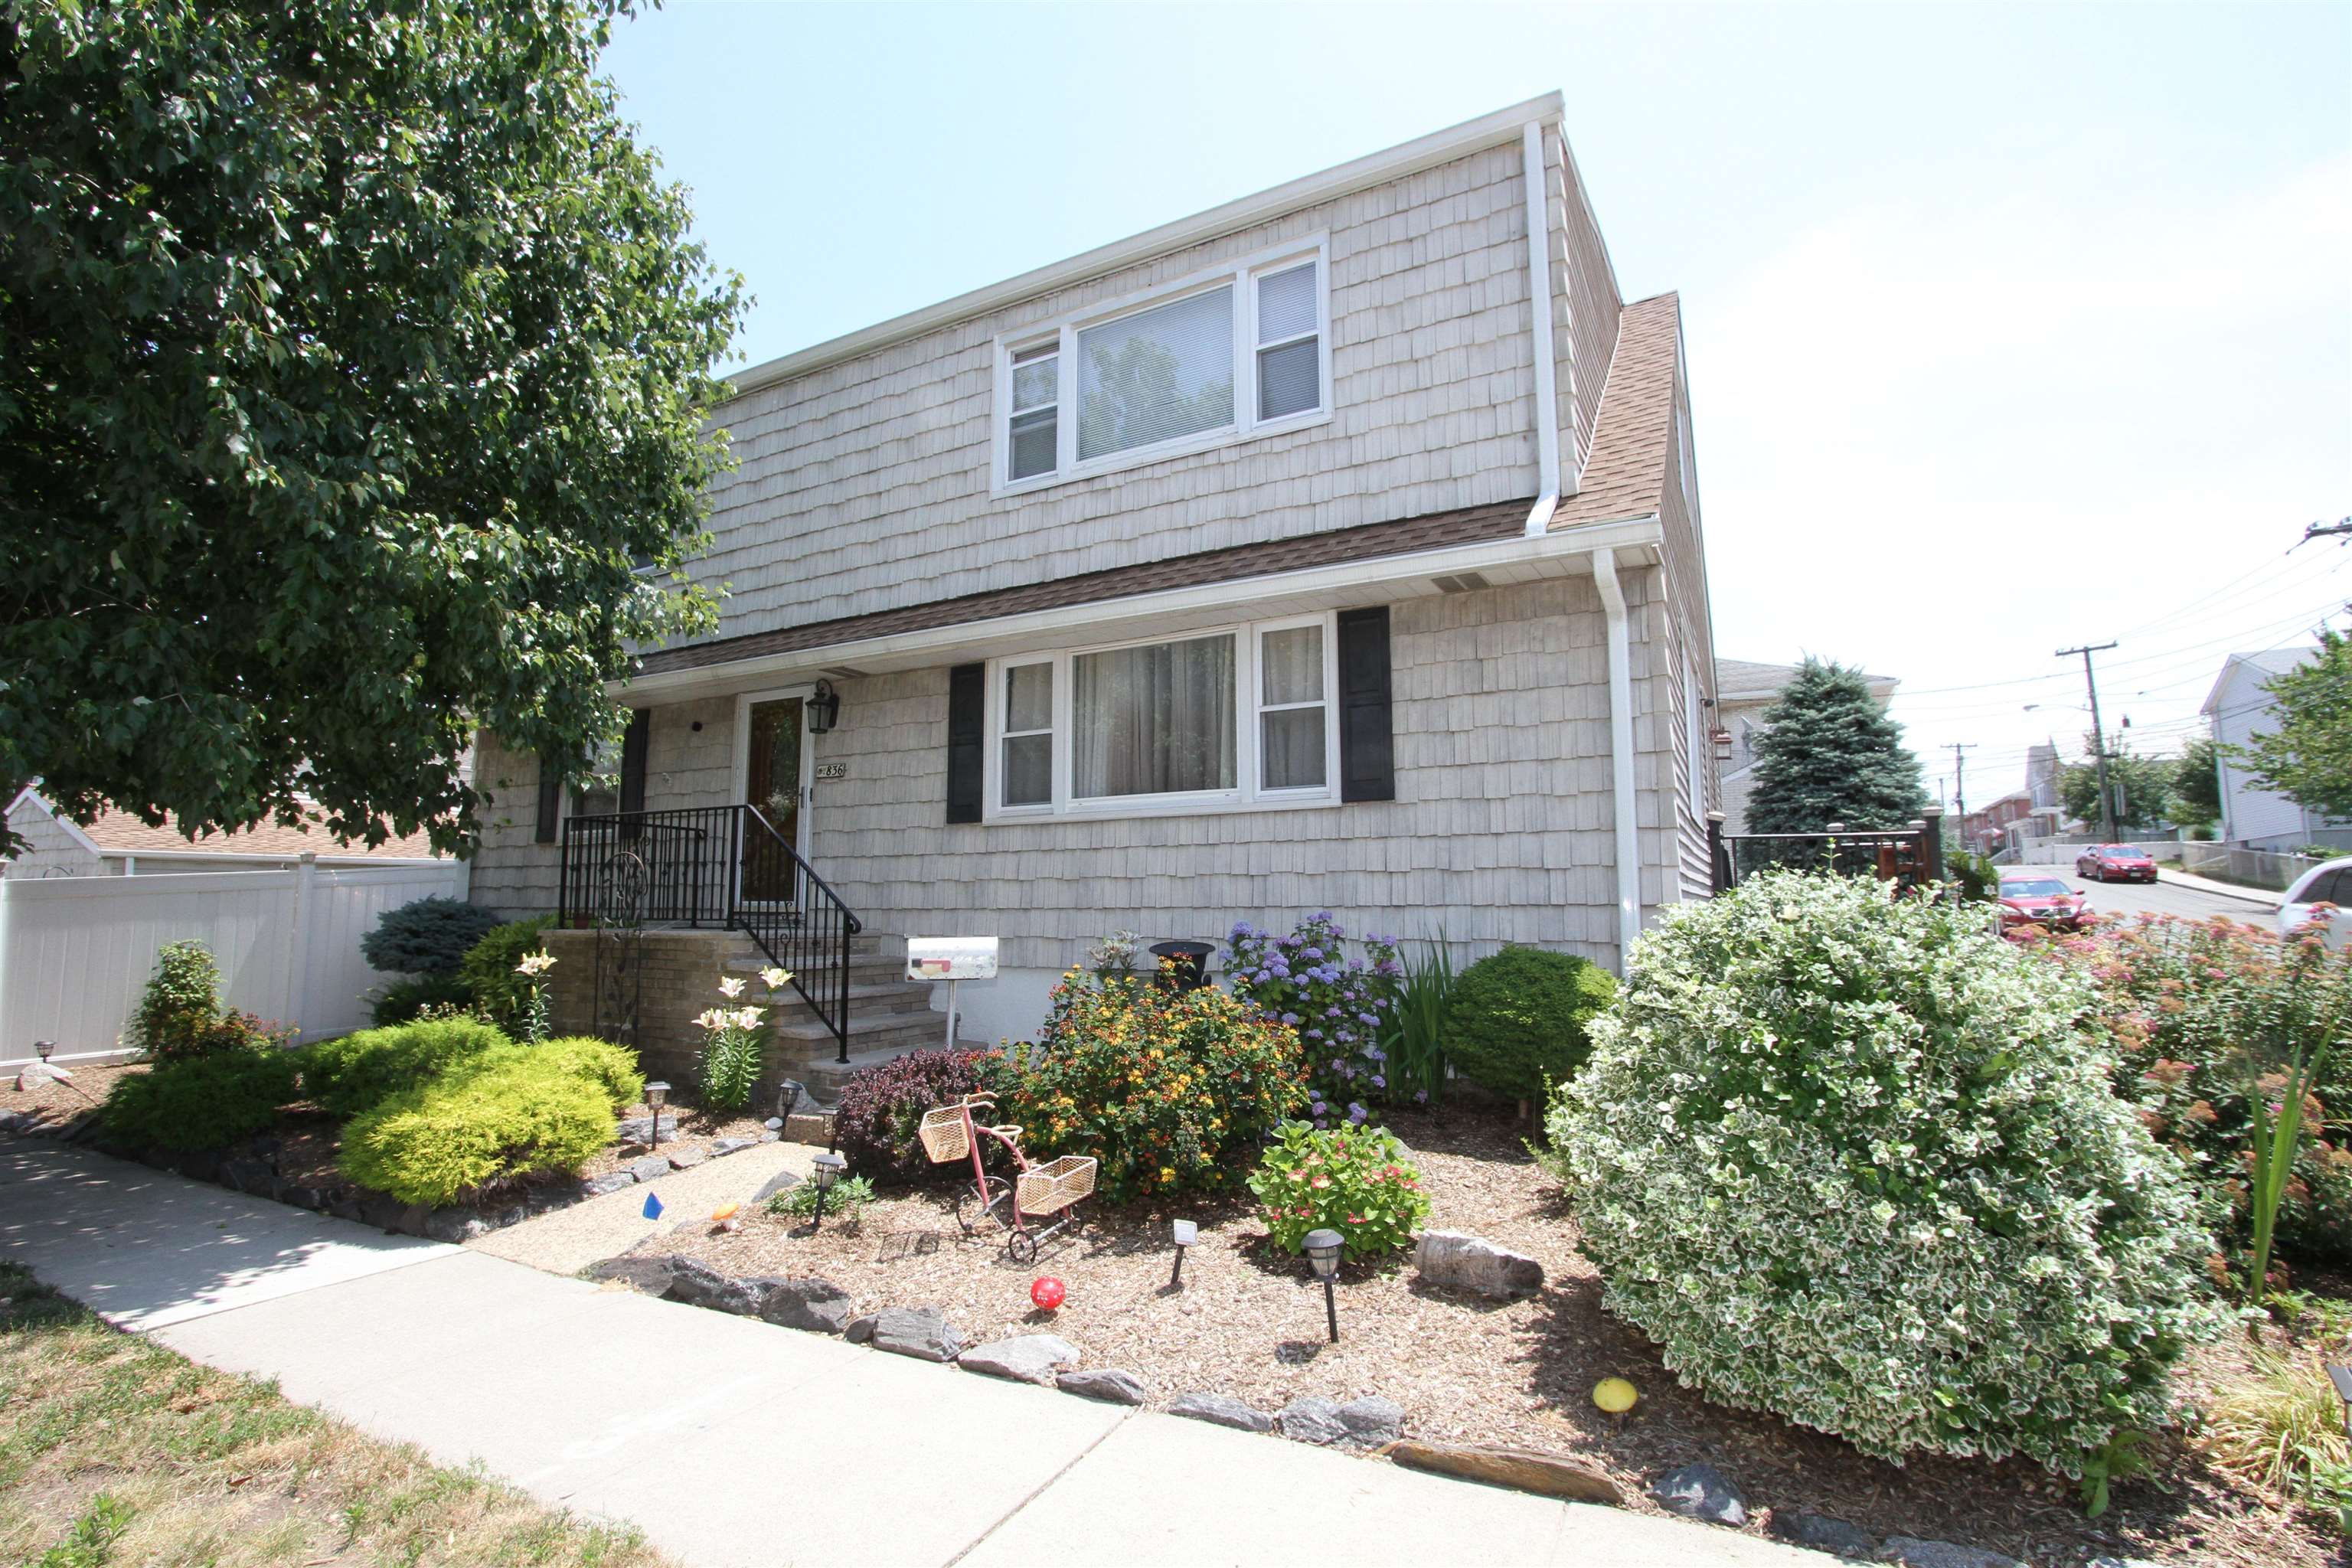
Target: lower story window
(1156,719)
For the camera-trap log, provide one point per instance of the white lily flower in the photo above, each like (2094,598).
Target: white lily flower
(731,987)
(774,979)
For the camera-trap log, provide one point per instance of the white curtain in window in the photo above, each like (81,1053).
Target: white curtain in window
(1153,720)
(1291,738)
(1157,374)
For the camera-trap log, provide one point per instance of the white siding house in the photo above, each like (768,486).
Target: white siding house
(1337,547)
(2238,708)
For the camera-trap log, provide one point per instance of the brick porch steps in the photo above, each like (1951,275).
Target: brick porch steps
(889,1016)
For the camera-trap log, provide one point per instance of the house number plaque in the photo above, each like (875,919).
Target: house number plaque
(832,771)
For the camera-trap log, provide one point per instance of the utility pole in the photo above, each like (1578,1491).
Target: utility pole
(2322,530)
(1961,790)
(2098,736)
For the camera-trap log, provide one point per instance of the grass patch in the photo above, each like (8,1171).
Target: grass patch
(116,1451)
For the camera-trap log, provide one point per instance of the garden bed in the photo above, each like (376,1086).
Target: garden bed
(1249,1324)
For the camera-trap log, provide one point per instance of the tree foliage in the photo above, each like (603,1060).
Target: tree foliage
(356,356)
(2142,787)
(1829,753)
(2307,753)
(2196,784)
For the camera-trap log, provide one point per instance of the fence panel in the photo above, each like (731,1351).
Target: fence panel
(2252,867)
(75,952)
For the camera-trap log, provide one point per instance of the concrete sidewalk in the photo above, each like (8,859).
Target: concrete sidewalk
(732,1442)
(2256,896)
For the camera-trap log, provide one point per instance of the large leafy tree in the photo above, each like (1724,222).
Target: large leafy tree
(355,361)
(2197,786)
(2142,788)
(2307,753)
(1829,753)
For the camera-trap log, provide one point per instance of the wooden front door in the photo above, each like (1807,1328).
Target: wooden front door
(773,785)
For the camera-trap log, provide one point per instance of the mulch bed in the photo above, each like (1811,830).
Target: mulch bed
(695,1128)
(1250,1324)
(57,1102)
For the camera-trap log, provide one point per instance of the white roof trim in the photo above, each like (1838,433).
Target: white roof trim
(1624,534)
(72,830)
(1501,127)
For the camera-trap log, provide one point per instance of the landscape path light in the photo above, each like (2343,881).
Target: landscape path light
(656,1092)
(45,1048)
(1187,1234)
(2341,1377)
(828,1168)
(1323,1251)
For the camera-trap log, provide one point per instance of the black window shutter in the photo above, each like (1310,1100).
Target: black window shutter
(1367,750)
(966,726)
(550,796)
(633,760)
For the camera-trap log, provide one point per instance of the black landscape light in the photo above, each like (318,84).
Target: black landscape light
(656,1092)
(828,1168)
(44,1049)
(2341,1377)
(1187,1234)
(1323,1251)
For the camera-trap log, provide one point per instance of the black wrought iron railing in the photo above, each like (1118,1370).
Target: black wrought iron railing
(1910,855)
(720,866)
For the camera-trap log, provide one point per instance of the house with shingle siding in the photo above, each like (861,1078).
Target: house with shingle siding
(117,844)
(1337,548)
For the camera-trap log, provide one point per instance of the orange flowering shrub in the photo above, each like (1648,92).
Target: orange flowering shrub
(1173,1091)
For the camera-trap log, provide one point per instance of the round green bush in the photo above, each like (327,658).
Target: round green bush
(1354,1179)
(181,1004)
(612,1069)
(200,1103)
(1851,1159)
(519,1117)
(357,1072)
(1518,1018)
(488,969)
(426,936)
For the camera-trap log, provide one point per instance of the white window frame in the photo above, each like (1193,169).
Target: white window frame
(1000,695)
(1249,693)
(1240,276)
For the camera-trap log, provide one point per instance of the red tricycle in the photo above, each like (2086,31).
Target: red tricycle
(1036,1192)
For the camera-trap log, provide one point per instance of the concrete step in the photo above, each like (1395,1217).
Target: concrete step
(866,945)
(869,1028)
(871,972)
(824,1076)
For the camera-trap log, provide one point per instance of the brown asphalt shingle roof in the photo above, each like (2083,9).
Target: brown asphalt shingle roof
(121,830)
(1623,478)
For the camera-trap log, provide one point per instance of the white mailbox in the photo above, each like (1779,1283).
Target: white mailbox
(951,958)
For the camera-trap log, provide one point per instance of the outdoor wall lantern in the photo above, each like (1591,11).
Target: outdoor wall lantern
(656,1092)
(824,709)
(1722,739)
(2341,1377)
(1187,1234)
(828,1168)
(44,1049)
(1323,1252)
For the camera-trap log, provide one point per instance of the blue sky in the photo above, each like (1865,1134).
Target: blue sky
(2008,327)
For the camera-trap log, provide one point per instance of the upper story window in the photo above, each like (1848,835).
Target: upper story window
(1240,352)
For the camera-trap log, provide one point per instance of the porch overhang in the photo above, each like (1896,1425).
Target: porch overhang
(1566,551)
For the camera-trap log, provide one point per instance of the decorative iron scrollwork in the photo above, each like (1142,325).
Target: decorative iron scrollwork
(618,895)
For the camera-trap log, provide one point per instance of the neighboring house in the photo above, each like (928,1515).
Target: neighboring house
(1745,690)
(2042,775)
(1280,558)
(119,845)
(1989,829)
(2237,710)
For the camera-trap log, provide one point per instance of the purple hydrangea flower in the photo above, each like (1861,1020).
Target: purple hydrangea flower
(1356,1113)
(1291,1020)
(1421,1097)
(1380,1081)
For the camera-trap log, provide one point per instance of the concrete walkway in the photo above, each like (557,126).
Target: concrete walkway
(732,1442)
(2261,896)
(566,1240)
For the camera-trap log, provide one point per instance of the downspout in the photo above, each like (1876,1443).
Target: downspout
(1621,751)
(1539,306)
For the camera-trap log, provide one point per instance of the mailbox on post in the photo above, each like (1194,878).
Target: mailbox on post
(953,959)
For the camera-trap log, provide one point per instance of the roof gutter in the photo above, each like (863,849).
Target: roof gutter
(1620,752)
(1540,311)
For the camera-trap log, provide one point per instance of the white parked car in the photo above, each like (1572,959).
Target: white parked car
(2329,882)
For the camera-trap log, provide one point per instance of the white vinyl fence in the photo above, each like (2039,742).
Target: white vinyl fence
(76,951)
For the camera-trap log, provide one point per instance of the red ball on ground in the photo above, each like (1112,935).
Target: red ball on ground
(1048,1293)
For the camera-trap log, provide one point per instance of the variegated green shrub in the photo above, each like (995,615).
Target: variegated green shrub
(1852,1160)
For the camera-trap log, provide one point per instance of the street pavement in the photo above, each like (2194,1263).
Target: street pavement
(732,1442)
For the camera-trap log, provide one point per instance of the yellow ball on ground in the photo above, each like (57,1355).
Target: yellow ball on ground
(1615,1395)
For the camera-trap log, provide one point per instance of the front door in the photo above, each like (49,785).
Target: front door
(772,784)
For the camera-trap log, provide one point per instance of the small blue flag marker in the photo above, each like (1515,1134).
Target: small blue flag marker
(652,1205)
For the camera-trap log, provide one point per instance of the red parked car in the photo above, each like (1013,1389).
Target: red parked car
(2116,863)
(2042,900)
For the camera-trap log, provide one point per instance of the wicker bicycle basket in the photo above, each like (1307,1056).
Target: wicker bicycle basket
(1055,1185)
(943,1135)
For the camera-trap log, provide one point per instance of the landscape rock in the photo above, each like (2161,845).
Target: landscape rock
(697,1284)
(652,1276)
(687,1158)
(347,1208)
(610,1181)
(414,1219)
(456,1224)
(1914,1552)
(650,1167)
(640,1128)
(819,1306)
(730,1145)
(1107,1384)
(1703,1492)
(1371,1421)
(923,1333)
(861,1330)
(1310,1418)
(1548,1474)
(809,1127)
(1823,1533)
(773,1185)
(246,1176)
(1473,1263)
(1026,1358)
(1225,1411)
(382,1212)
(302,1197)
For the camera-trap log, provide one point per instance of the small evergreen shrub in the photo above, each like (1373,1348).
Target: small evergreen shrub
(194,1104)
(1851,1159)
(350,1075)
(519,1117)
(400,1000)
(181,1004)
(1520,1018)
(873,1126)
(610,1068)
(488,969)
(1350,1179)
(428,936)
(1172,1091)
